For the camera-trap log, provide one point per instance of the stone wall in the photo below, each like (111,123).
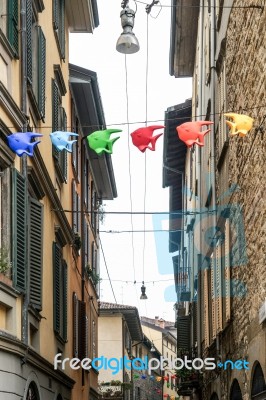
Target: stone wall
(246,89)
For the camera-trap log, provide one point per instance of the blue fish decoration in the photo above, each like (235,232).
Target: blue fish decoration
(60,140)
(20,142)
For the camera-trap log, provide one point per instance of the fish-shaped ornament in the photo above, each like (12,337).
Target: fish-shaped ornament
(240,124)
(142,138)
(190,132)
(100,141)
(20,142)
(60,140)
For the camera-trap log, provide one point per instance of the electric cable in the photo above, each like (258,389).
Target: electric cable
(178,119)
(104,259)
(200,6)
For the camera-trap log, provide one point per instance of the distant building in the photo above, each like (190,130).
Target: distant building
(121,338)
(163,335)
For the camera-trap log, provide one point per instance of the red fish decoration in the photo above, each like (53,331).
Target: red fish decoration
(142,137)
(190,132)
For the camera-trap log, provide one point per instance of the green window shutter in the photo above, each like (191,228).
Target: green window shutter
(62,29)
(64,300)
(55,115)
(35,252)
(75,306)
(83,341)
(74,207)
(183,333)
(59,24)
(63,153)
(19,231)
(29,39)
(41,72)
(12,24)
(57,262)
(55,14)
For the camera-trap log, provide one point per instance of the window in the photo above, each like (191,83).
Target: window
(9,23)
(94,340)
(80,328)
(35,252)
(19,218)
(36,62)
(75,147)
(59,25)
(93,207)
(60,293)
(32,393)
(59,123)
(22,241)
(76,209)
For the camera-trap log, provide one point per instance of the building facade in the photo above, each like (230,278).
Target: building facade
(49,203)
(224,313)
(119,328)
(163,335)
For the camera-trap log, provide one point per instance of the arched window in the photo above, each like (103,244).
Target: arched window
(32,393)
(235,393)
(59,397)
(214,396)
(258,383)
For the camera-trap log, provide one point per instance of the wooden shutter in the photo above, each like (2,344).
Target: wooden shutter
(57,257)
(19,242)
(83,331)
(41,72)
(35,252)
(213,299)
(55,14)
(74,207)
(12,24)
(183,333)
(218,285)
(78,214)
(227,274)
(63,153)
(206,307)
(75,324)
(29,39)
(62,28)
(64,300)
(55,114)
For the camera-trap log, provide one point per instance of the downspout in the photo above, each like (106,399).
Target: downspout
(83,234)
(23,33)
(213,164)
(199,159)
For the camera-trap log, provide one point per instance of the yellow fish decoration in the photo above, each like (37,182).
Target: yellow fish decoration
(239,124)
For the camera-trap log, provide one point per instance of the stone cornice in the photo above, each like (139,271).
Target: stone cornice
(11,107)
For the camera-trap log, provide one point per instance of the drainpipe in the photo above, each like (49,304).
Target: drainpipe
(23,36)
(199,159)
(213,163)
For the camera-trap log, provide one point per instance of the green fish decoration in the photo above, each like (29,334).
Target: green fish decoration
(100,141)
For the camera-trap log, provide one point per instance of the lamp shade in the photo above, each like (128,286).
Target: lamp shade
(127,42)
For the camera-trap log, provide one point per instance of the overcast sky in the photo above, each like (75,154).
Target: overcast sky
(125,252)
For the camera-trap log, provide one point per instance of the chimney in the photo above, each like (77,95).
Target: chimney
(161,323)
(156,322)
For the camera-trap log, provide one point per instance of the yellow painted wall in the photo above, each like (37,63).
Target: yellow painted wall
(110,344)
